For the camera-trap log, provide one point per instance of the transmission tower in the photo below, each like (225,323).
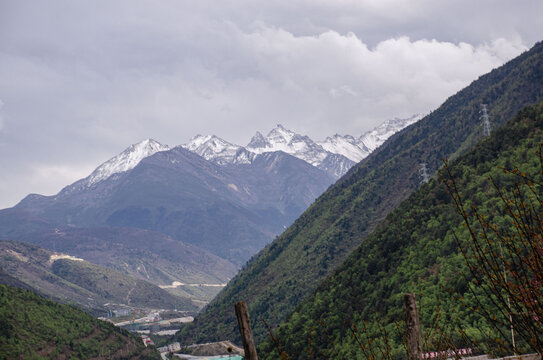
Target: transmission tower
(423,171)
(486,122)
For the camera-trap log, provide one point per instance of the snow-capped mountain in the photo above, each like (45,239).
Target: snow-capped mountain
(336,154)
(231,211)
(220,151)
(376,137)
(302,147)
(357,149)
(345,145)
(281,139)
(126,160)
(253,192)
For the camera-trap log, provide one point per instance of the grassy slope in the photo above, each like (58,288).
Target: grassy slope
(35,328)
(147,254)
(117,287)
(413,250)
(80,282)
(277,279)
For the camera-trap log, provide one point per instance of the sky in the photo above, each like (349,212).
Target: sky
(81,80)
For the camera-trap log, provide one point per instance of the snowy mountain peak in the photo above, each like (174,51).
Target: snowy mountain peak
(335,154)
(207,141)
(374,138)
(211,147)
(197,141)
(280,135)
(345,145)
(282,139)
(126,160)
(258,141)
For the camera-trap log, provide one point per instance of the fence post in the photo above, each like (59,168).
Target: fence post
(245,331)
(414,349)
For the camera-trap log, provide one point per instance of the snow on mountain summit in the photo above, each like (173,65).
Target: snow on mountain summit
(211,147)
(345,145)
(357,149)
(281,139)
(258,141)
(376,137)
(126,160)
(335,155)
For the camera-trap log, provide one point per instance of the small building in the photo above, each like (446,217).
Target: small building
(122,312)
(147,340)
(170,348)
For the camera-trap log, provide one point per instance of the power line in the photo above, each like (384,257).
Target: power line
(423,172)
(486,122)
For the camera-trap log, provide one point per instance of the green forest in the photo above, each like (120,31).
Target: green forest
(414,250)
(32,327)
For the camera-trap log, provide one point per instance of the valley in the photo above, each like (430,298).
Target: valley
(125,244)
(292,180)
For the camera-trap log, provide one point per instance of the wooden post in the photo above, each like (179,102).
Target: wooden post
(245,330)
(414,349)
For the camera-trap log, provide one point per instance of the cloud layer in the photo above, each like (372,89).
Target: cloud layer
(80,81)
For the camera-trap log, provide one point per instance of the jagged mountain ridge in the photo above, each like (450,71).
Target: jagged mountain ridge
(220,151)
(356,149)
(126,160)
(281,139)
(335,155)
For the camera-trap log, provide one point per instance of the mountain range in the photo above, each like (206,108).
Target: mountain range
(230,211)
(192,214)
(335,155)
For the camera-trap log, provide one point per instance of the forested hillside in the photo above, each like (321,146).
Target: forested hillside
(277,279)
(414,250)
(32,327)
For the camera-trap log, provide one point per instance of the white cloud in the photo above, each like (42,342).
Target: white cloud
(66,173)
(42,178)
(83,80)
(1,116)
(342,91)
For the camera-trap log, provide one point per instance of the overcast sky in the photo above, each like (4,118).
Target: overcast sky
(82,80)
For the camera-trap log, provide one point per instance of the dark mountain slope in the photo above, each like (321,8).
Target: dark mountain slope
(231,211)
(413,250)
(32,327)
(276,280)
